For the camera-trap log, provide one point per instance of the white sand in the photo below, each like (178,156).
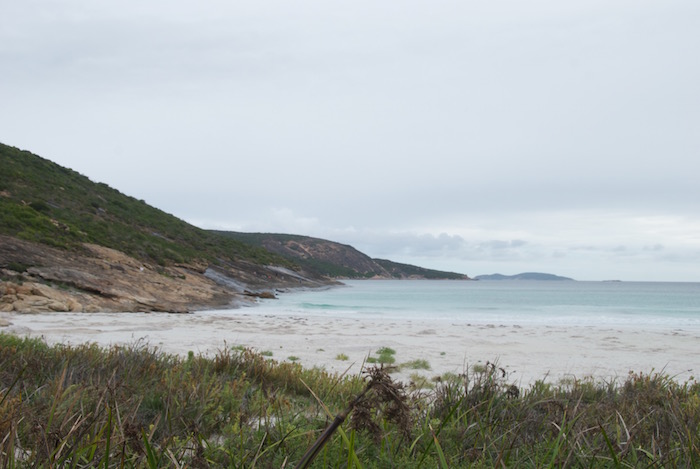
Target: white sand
(527,352)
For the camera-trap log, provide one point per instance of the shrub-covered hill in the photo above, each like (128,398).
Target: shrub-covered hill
(335,259)
(68,243)
(43,202)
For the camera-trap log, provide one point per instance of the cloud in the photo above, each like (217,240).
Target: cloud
(582,245)
(462,134)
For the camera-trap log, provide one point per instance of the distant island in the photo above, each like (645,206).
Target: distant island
(522,276)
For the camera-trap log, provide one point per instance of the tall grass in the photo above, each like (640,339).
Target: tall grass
(134,406)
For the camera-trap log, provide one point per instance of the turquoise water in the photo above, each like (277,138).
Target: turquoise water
(505,302)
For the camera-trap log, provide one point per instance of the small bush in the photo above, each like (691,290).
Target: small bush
(385,355)
(418,364)
(18,267)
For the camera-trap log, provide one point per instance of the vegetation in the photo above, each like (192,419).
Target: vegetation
(406,270)
(417,364)
(43,202)
(385,356)
(343,261)
(84,406)
(334,259)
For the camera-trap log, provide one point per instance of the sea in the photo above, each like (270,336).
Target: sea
(527,302)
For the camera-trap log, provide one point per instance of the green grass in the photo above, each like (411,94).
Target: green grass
(134,406)
(384,356)
(418,364)
(385,351)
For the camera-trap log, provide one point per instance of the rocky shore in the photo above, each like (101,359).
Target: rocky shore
(96,278)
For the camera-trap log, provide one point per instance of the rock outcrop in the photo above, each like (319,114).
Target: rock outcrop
(38,278)
(98,279)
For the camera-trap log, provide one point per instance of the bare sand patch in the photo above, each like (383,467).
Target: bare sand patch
(526,352)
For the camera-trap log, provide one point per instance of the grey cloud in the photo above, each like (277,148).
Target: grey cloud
(375,123)
(500,244)
(437,247)
(383,244)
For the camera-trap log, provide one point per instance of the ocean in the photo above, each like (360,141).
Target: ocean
(623,304)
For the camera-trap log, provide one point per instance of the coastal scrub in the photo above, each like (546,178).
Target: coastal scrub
(135,406)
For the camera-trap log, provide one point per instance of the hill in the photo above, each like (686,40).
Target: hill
(336,260)
(68,243)
(522,276)
(43,202)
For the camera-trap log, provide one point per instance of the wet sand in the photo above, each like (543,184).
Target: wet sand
(528,353)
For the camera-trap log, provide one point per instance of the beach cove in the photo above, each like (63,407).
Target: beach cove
(530,341)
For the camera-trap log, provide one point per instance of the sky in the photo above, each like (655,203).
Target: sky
(473,136)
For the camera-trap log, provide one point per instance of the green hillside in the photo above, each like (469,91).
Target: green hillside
(337,260)
(321,256)
(397,269)
(43,202)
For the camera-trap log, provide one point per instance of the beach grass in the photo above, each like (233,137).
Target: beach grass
(384,356)
(135,406)
(417,364)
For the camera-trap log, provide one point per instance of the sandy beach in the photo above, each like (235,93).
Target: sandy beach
(526,352)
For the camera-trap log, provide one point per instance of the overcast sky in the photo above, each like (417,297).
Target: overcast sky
(477,136)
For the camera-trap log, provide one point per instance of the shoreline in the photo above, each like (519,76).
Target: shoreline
(527,352)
